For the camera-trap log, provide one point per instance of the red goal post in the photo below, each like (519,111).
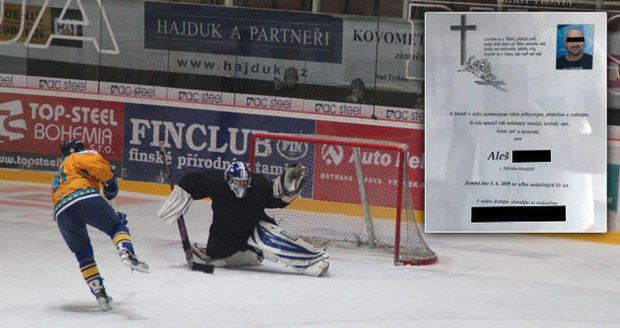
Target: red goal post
(351,193)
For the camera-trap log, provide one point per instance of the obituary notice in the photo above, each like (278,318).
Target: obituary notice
(516,117)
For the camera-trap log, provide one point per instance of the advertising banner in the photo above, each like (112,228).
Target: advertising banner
(397,45)
(132,90)
(67,32)
(201,96)
(268,102)
(335,165)
(377,52)
(196,140)
(22,17)
(338,108)
(243,32)
(56,84)
(33,127)
(13,80)
(516,121)
(400,114)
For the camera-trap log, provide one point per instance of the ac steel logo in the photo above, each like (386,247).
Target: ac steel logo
(338,109)
(12,124)
(136,91)
(55,84)
(325,108)
(404,115)
(263,102)
(201,97)
(189,96)
(256,102)
(332,154)
(120,90)
(50,84)
(292,150)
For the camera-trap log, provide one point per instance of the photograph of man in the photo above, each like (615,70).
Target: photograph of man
(574,43)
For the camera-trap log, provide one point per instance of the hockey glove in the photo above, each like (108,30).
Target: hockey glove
(290,182)
(110,189)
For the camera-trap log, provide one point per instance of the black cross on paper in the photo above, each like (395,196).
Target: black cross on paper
(463,28)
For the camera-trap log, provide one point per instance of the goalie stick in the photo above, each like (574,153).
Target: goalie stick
(187,248)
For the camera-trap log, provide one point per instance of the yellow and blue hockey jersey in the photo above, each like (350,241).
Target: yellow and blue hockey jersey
(79,176)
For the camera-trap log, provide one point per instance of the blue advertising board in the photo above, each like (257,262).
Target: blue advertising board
(198,140)
(243,32)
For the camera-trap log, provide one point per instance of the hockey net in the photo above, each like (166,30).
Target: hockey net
(356,192)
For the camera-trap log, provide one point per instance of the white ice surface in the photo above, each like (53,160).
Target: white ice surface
(480,281)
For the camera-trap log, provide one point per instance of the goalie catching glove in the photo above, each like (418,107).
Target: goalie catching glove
(290,182)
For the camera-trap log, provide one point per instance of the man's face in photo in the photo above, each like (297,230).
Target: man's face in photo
(574,42)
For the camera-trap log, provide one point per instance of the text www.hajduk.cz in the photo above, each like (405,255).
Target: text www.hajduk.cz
(243,68)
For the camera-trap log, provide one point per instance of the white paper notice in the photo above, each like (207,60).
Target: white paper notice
(515,131)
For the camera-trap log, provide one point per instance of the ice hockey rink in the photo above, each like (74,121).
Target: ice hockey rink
(480,280)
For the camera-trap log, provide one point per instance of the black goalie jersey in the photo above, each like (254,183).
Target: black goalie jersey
(234,218)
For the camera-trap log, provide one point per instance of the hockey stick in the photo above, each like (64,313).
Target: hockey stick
(187,248)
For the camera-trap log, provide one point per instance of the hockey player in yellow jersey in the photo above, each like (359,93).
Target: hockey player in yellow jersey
(77,203)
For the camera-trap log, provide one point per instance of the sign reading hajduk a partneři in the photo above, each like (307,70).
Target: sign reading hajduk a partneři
(243,32)
(515,122)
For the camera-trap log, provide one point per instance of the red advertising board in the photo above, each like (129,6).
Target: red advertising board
(38,124)
(335,165)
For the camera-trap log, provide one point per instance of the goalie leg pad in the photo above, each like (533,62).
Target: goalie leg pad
(296,253)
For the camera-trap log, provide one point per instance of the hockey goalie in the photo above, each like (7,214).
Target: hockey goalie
(242,234)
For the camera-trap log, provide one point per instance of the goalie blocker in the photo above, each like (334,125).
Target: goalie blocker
(241,232)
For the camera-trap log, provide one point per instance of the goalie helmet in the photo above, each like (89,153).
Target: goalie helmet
(238,178)
(71,146)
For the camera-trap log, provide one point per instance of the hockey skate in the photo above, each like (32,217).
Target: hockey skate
(199,254)
(105,301)
(131,260)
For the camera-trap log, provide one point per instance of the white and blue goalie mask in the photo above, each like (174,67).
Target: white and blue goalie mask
(238,178)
